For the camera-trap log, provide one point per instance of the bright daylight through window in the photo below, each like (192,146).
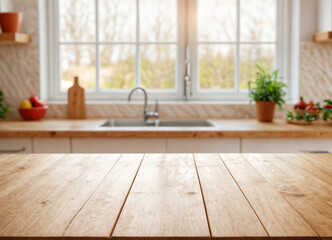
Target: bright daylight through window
(115,45)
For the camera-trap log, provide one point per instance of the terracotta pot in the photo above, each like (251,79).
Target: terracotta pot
(11,22)
(265,111)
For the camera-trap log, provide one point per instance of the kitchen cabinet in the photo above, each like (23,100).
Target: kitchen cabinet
(206,145)
(275,145)
(186,145)
(15,145)
(129,145)
(51,145)
(163,145)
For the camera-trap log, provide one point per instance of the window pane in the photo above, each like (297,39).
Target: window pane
(158,66)
(77,60)
(258,20)
(117,66)
(217,20)
(77,20)
(250,55)
(117,20)
(216,66)
(158,20)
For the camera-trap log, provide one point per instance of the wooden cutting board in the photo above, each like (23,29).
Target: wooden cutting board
(76,101)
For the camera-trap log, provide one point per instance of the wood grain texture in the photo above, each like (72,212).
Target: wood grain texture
(45,205)
(279,218)
(298,188)
(162,196)
(14,38)
(230,214)
(323,37)
(76,101)
(24,169)
(98,216)
(299,164)
(7,162)
(234,128)
(165,201)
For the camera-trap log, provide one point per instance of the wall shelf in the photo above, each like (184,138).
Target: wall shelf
(14,38)
(323,37)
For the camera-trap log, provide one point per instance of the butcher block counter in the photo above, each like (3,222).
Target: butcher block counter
(161,196)
(230,128)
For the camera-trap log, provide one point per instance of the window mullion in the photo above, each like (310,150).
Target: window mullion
(56,41)
(138,47)
(192,35)
(97,61)
(237,57)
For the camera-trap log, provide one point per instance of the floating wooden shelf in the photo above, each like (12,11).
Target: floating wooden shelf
(323,37)
(14,38)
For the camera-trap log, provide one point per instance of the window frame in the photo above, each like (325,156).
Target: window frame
(282,44)
(54,92)
(186,37)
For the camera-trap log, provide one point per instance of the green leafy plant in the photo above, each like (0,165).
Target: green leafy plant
(266,87)
(327,111)
(4,108)
(307,117)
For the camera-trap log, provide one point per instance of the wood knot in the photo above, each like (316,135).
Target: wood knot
(291,191)
(191,193)
(45,202)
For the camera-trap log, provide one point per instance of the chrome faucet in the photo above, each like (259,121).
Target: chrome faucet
(146,113)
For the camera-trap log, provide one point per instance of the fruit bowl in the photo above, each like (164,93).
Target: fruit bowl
(35,113)
(329,120)
(311,112)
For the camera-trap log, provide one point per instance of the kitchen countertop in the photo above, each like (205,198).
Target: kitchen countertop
(230,128)
(160,196)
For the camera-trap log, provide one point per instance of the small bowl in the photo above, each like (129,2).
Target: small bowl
(311,112)
(31,114)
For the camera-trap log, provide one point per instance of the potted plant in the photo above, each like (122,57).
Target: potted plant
(266,91)
(4,108)
(11,22)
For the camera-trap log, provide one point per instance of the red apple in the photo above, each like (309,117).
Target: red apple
(36,102)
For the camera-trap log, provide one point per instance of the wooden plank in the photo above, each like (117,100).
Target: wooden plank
(14,38)
(165,201)
(310,184)
(27,167)
(45,205)
(323,37)
(298,192)
(321,162)
(309,175)
(299,162)
(279,218)
(9,161)
(98,216)
(229,213)
(327,158)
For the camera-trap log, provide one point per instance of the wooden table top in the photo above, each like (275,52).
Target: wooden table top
(226,128)
(163,196)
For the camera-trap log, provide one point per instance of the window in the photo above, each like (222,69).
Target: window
(115,45)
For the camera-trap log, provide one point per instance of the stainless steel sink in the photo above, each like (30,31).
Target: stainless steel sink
(157,123)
